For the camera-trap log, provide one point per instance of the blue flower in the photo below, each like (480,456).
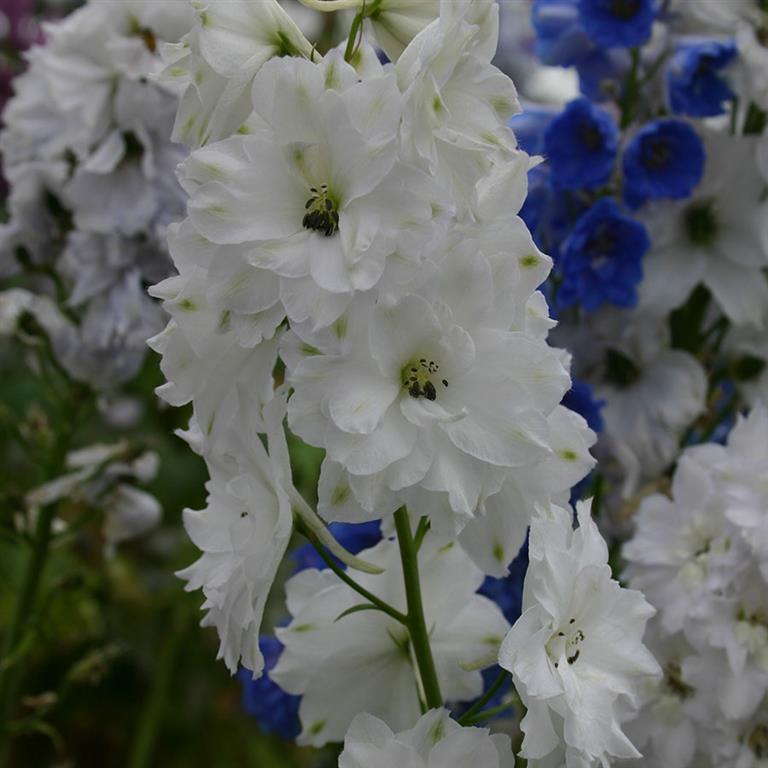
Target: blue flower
(529,127)
(695,82)
(550,212)
(581,144)
(602,258)
(354,537)
(665,159)
(275,710)
(602,73)
(617,23)
(560,39)
(579,398)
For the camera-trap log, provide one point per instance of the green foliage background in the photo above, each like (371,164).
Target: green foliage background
(117,671)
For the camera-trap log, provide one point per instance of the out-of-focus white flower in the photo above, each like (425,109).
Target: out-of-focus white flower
(103,476)
(652,393)
(435,740)
(576,653)
(322,653)
(87,153)
(701,559)
(718,238)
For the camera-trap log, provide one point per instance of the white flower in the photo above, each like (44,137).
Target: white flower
(435,741)
(243,533)
(700,557)
(204,361)
(652,393)
(753,64)
(396,22)
(102,476)
(91,168)
(456,103)
(130,513)
(576,653)
(313,192)
(663,729)
(494,537)
(322,654)
(430,401)
(216,62)
(718,238)
(722,16)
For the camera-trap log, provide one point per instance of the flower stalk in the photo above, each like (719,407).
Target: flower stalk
(417,626)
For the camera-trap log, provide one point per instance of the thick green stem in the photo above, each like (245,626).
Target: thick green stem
(417,626)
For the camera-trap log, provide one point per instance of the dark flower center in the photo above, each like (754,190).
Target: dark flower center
(701,224)
(620,370)
(602,242)
(591,137)
(656,154)
(624,9)
(321,212)
(758,741)
(674,681)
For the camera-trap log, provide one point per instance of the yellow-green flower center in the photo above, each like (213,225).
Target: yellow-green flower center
(418,378)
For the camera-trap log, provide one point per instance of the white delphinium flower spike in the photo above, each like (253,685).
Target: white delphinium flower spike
(435,741)
(325,656)
(576,653)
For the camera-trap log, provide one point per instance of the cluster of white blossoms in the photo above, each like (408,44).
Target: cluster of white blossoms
(88,156)
(352,261)
(576,652)
(361,224)
(701,558)
(435,740)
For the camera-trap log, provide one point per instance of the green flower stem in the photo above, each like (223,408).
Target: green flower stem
(631,91)
(156,706)
(24,610)
(25,605)
(354,32)
(477,707)
(349,581)
(417,626)
(487,714)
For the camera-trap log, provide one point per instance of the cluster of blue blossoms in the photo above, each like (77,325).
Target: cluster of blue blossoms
(614,149)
